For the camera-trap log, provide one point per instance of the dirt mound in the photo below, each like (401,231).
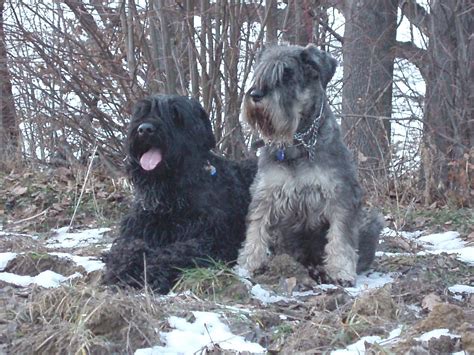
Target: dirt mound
(32,264)
(284,274)
(443,315)
(81,319)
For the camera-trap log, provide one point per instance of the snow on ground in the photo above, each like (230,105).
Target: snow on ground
(436,333)
(434,243)
(7,234)
(447,242)
(65,239)
(265,296)
(89,263)
(387,232)
(359,346)
(193,338)
(365,281)
(5,258)
(370,280)
(47,279)
(461,289)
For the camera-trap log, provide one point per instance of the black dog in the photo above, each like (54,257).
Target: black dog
(190,205)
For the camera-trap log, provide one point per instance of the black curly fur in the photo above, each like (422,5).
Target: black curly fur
(182,214)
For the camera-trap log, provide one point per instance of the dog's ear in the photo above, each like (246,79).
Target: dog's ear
(321,61)
(260,52)
(204,131)
(141,108)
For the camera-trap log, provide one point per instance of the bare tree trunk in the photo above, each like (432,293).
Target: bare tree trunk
(126,18)
(166,40)
(234,145)
(448,119)
(205,82)
(303,25)
(9,130)
(193,70)
(271,34)
(369,36)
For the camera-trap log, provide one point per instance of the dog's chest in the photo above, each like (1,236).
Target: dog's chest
(296,191)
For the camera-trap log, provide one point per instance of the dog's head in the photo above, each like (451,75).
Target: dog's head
(165,130)
(289,83)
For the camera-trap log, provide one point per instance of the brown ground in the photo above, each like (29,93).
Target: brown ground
(86,317)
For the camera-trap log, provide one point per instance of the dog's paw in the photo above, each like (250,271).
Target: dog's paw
(344,283)
(252,260)
(343,275)
(251,268)
(320,275)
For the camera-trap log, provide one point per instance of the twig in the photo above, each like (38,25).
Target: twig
(31,217)
(89,168)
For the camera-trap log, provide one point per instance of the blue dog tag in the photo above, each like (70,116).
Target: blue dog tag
(213,170)
(280,154)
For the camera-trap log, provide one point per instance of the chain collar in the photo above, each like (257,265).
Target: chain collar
(306,140)
(309,138)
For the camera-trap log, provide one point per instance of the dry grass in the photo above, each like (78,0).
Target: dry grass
(82,320)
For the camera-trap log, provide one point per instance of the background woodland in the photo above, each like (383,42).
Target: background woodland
(71,70)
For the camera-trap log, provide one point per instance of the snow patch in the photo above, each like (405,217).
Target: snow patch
(266,297)
(47,279)
(359,346)
(447,242)
(442,241)
(5,258)
(193,338)
(387,232)
(8,234)
(370,280)
(461,289)
(64,239)
(436,333)
(87,262)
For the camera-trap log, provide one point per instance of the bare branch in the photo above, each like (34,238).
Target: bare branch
(414,54)
(416,14)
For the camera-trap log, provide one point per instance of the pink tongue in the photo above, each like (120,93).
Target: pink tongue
(150,159)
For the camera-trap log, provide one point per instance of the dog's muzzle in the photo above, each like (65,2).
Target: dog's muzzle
(146,129)
(150,159)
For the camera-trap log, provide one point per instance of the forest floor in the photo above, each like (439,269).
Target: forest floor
(418,298)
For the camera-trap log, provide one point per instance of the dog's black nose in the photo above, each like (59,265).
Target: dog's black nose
(256,95)
(146,128)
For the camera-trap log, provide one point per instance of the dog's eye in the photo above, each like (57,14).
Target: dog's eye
(313,70)
(178,118)
(287,74)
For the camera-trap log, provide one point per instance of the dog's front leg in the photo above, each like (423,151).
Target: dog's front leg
(163,265)
(255,250)
(340,251)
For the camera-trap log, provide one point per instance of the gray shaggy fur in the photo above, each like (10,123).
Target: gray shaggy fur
(306,200)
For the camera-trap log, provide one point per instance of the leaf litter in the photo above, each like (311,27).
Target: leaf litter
(417,298)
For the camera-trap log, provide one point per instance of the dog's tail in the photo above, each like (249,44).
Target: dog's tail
(369,233)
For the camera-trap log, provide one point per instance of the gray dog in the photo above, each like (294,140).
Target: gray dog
(306,200)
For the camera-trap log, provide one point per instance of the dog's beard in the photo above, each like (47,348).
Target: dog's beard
(275,123)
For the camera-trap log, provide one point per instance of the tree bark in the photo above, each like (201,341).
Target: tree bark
(271,34)
(9,129)
(166,40)
(369,37)
(448,118)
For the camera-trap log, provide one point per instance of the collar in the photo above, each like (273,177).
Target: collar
(211,169)
(304,143)
(309,138)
